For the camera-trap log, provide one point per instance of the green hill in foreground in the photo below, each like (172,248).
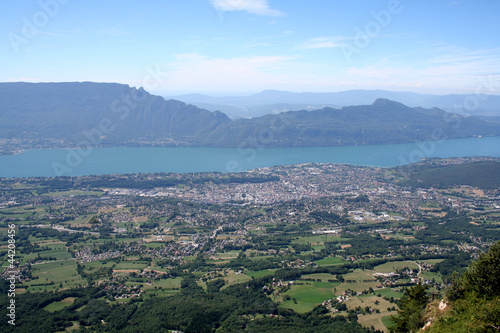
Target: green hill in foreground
(483,174)
(471,303)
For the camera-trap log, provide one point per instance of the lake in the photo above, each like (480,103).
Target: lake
(97,161)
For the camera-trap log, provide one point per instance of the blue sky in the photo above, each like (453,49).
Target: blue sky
(245,46)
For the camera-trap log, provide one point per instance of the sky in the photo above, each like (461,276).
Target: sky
(246,46)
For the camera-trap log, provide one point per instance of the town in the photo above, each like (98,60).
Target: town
(346,237)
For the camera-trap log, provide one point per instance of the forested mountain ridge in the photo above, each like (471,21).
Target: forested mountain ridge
(115,115)
(383,122)
(67,110)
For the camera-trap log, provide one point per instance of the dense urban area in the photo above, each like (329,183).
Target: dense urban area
(287,244)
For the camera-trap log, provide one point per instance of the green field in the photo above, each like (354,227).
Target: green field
(54,275)
(259,274)
(360,275)
(308,295)
(392,266)
(432,261)
(56,306)
(234,278)
(329,261)
(388,292)
(432,275)
(227,255)
(131,265)
(167,284)
(324,277)
(89,266)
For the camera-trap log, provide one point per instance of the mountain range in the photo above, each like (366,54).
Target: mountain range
(111,114)
(273,100)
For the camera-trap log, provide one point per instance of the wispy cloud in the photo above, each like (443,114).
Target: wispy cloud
(324,42)
(196,72)
(259,7)
(463,70)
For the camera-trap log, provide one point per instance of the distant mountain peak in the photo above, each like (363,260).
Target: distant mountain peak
(64,114)
(384,102)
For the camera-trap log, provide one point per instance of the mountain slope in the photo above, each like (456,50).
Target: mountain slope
(115,114)
(471,303)
(68,110)
(383,122)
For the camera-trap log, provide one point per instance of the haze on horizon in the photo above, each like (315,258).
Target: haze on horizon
(245,46)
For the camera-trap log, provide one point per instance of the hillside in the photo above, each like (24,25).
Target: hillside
(113,114)
(383,122)
(471,303)
(66,111)
(483,174)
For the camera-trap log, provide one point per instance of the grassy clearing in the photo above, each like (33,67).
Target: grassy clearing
(299,307)
(81,221)
(308,295)
(56,306)
(131,265)
(324,277)
(235,278)
(54,275)
(431,275)
(357,287)
(172,284)
(392,266)
(360,275)
(330,261)
(388,292)
(226,255)
(149,293)
(262,273)
(432,261)
(98,264)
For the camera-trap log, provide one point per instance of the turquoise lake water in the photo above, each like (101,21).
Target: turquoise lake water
(96,161)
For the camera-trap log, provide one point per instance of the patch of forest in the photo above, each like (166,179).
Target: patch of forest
(482,174)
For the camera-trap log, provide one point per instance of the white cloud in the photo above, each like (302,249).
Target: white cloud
(259,7)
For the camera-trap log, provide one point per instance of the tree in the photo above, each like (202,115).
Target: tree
(410,316)
(483,276)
